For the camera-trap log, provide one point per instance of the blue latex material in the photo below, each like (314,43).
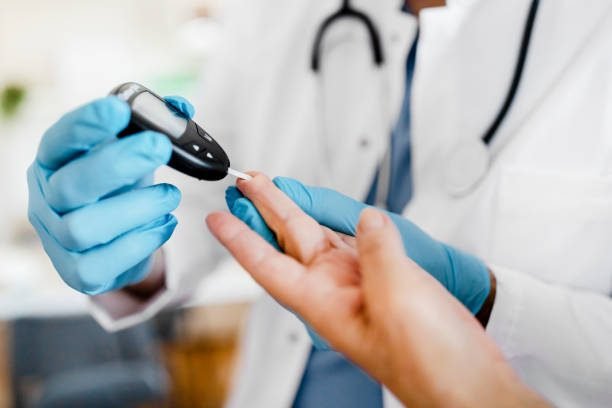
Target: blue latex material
(91,197)
(463,275)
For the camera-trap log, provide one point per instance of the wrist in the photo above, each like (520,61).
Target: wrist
(484,313)
(504,392)
(154,281)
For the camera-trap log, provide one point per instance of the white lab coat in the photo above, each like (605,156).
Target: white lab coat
(541,219)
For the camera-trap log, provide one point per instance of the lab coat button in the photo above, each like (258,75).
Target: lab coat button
(364,142)
(293,337)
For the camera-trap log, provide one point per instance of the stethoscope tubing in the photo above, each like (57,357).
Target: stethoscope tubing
(384,172)
(517,76)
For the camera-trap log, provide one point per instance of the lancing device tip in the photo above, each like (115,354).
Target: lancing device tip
(238,174)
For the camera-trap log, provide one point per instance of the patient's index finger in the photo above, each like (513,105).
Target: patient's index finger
(298,234)
(278,273)
(80,130)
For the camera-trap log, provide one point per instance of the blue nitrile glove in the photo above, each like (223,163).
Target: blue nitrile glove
(91,199)
(463,275)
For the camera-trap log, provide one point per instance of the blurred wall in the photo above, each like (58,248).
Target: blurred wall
(63,53)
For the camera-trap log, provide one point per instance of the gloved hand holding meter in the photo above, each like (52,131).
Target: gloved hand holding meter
(100,218)
(92,200)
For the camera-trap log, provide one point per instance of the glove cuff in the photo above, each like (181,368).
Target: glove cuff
(472,282)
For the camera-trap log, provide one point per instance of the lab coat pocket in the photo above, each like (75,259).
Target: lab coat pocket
(554,225)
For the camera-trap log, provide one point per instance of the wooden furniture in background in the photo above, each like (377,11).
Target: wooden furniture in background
(6,396)
(201,360)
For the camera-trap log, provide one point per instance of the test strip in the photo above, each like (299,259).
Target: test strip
(238,174)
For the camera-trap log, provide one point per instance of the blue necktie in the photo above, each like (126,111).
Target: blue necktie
(400,181)
(329,379)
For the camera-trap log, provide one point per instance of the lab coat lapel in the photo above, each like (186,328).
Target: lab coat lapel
(359,101)
(272,364)
(400,30)
(435,99)
(461,77)
(555,45)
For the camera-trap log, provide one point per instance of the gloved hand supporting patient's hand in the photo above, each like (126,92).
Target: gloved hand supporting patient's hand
(91,199)
(463,275)
(372,303)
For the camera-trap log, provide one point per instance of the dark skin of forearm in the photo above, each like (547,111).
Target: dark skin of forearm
(153,283)
(417,5)
(487,307)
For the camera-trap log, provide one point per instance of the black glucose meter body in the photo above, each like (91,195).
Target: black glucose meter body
(194,151)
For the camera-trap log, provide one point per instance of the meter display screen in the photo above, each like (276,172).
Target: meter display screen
(155,111)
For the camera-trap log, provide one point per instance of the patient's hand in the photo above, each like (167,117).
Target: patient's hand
(372,303)
(329,257)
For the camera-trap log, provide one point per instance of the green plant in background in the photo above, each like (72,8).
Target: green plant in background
(11,98)
(178,83)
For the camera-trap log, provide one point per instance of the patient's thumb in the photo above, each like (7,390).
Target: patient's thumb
(381,252)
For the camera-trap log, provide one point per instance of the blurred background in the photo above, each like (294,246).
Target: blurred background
(51,351)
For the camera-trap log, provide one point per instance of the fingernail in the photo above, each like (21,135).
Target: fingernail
(371,220)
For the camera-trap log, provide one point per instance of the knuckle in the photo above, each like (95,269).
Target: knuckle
(152,146)
(74,233)
(110,111)
(60,195)
(293,215)
(115,169)
(167,193)
(70,271)
(88,277)
(157,146)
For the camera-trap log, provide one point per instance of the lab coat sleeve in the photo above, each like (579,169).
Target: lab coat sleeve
(119,309)
(192,253)
(560,336)
(188,257)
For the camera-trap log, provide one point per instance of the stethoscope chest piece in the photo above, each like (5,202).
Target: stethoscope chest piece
(464,167)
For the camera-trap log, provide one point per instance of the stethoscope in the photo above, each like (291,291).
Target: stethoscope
(467,163)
